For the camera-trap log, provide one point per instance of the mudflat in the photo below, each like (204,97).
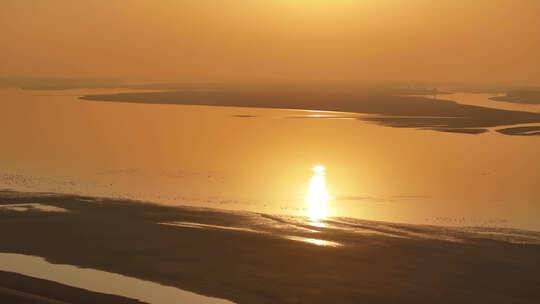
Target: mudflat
(258,258)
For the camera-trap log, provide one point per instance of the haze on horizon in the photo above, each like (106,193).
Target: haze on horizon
(280,40)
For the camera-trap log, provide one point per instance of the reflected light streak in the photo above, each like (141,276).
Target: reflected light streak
(317,242)
(317,196)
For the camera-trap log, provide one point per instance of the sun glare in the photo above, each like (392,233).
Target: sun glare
(317,196)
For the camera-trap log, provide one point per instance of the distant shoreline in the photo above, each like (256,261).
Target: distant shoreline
(398,111)
(520,97)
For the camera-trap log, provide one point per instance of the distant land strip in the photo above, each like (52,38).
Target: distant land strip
(521,97)
(413,111)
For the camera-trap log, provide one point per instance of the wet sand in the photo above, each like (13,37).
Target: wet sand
(259,258)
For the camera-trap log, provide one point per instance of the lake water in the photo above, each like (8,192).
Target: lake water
(261,159)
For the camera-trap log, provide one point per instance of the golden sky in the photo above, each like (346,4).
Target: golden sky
(238,40)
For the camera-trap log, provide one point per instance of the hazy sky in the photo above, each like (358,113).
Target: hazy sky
(223,40)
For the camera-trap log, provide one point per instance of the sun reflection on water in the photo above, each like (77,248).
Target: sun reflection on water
(312,241)
(317,196)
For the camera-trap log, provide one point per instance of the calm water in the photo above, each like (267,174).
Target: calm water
(261,159)
(100,281)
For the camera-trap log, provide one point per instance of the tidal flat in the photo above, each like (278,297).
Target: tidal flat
(248,257)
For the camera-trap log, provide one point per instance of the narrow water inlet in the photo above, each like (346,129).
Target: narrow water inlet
(101,281)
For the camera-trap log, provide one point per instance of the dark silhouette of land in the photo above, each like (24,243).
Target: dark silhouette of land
(29,83)
(257,262)
(393,110)
(522,97)
(524,131)
(54,84)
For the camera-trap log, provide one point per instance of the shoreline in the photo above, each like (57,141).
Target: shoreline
(93,282)
(524,97)
(289,263)
(390,110)
(20,288)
